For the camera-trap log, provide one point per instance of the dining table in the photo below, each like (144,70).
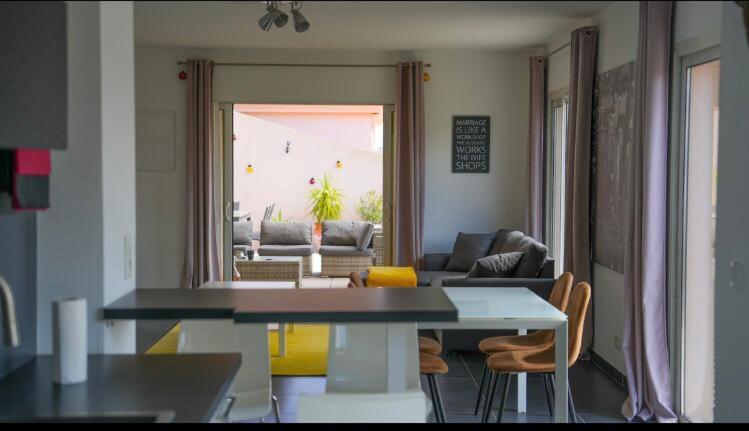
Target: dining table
(518,309)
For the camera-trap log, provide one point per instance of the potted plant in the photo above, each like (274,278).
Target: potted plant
(326,203)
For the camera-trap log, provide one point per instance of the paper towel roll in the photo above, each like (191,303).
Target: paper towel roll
(69,340)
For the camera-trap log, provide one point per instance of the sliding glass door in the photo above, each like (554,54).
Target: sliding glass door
(698,130)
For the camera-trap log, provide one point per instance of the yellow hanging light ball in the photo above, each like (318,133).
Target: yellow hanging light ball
(250,169)
(338,164)
(427,77)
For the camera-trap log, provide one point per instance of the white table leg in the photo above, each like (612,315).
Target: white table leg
(281,340)
(397,356)
(522,384)
(560,373)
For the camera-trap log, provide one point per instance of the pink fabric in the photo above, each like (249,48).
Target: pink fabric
(577,186)
(33,162)
(201,246)
(409,165)
(534,210)
(645,343)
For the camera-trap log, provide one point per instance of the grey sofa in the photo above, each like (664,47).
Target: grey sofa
(287,239)
(345,247)
(435,274)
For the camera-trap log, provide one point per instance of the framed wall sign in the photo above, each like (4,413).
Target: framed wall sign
(470,144)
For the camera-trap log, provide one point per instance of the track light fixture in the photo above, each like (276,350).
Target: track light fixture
(276,16)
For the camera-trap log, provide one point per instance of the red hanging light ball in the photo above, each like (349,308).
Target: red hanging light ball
(312,180)
(182,75)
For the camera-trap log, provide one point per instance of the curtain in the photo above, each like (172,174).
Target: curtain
(577,184)
(409,165)
(534,211)
(645,343)
(201,245)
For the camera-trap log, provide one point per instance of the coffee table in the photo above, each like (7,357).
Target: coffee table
(259,285)
(271,268)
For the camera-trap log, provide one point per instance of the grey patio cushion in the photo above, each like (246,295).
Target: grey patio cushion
(285,232)
(534,256)
(342,232)
(242,233)
(496,265)
(365,236)
(468,248)
(425,278)
(511,242)
(285,250)
(344,250)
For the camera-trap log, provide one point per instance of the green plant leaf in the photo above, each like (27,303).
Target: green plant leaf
(326,201)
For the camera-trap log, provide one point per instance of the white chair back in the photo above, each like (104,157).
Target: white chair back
(409,406)
(252,385)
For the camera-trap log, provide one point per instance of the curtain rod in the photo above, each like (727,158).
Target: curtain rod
(557,50)
(181,63)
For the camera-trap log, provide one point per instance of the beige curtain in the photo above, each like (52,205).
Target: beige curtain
(534,211)
(645,343)
(409,165)
(577,185)
(201,245)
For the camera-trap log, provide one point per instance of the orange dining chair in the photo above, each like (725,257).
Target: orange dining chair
(559,297)
(504,364)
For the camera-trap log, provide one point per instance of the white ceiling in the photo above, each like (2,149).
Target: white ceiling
(387,25)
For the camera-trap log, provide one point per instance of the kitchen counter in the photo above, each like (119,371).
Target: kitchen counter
(182,388)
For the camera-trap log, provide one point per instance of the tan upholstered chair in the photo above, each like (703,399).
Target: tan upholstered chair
(559,297)
(505,364)
(431,366)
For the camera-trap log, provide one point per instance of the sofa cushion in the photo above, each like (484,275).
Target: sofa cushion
(468,248)
(534,256)
(498,241)
(365,236)
(285,250)
(511,242)
(425,278)
(344,250)
(242,233)
(285,233)
(496,265)
(341,232)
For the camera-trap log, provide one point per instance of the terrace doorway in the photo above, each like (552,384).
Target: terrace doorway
(275,155)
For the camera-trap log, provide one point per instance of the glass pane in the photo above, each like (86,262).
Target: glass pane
(699,265)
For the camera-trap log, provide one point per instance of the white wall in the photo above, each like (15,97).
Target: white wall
(79,253)
(490,83)
(476,82)
(731,303)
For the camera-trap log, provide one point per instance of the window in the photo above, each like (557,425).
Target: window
(698,130)
(556,151)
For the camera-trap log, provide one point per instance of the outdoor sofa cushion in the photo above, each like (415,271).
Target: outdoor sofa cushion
(242,233)
(285,250)
(365,236)
(344,250)
(469,248)
(342,232)
(285,233)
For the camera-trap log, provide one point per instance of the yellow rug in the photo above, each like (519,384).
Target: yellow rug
(306,350)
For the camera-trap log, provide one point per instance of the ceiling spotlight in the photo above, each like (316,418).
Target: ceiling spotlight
(274,16)
(300,22)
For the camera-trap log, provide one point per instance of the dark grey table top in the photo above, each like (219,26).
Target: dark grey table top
(286,305)
(190,385)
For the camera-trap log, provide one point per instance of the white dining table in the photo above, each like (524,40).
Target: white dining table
(258,285)
(515,308)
